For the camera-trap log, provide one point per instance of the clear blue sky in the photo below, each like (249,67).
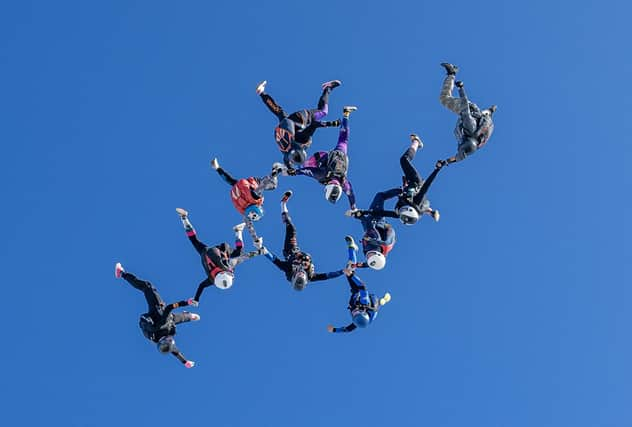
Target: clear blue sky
(513,310)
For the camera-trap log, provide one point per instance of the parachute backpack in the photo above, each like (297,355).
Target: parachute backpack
(284,135)
(241,194)
(337,165)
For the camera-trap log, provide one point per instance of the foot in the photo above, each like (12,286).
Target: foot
(414,139)
(331,84)
(450,68)
(436,215)
(351,243)
(118,270)
(189,364)
(239,227)
(215,164)
(183,214)
(459,84)
(195,317)
(385,299)
(261,87)
(348,109)
(286,196)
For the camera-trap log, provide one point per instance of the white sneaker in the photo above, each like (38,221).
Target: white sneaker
(385,299)
(195,317)
(118,270)
(331,84)
(436,215)
(349,109)
(239,227)
(189,364)
(415,138)
(183,214)
(278,167)
(215,164)
(261,87)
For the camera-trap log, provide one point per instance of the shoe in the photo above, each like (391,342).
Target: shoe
(239,227)
(261,87)
(385,299)
(183,214)
(415,138)
(436,215)
(459,84)
(450,68)
(118,270)
(286,196)
(351,243)
(348,109)
(215,164)
(195,317)
(189,364)
(331,84)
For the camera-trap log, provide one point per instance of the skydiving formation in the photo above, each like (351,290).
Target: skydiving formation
(294,135)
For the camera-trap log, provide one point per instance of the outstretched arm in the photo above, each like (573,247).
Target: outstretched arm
(326,276)
(282,265)
(235,261)
(171,307)
(347,328)
(203,285)
(348,189)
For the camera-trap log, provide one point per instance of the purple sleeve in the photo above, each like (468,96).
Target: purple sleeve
(350,194)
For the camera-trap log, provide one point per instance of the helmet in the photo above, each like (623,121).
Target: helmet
(376,260)
(299,280)
(333,191)
(254,212)
(408,215)
(166,344)
(360,318)
(224,280)
(298,156)
(284,134)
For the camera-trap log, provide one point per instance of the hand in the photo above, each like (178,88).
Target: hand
(440,164)
(330,328)
(354,213)
(258,242)
(291,171)
(192,302)
(459,84)
(263,251)
(349,270)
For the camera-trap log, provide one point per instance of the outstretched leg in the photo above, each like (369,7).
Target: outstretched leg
(290,244)
(275,108)
(184,317)
(154,301)
(445,97)
(410,172)
(190,231)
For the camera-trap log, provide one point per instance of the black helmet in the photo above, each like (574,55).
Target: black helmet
(166,344)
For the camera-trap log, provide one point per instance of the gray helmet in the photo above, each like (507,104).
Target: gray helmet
(299,280)
(166,344)
(298,156)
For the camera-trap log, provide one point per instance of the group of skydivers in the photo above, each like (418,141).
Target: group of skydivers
(293,135)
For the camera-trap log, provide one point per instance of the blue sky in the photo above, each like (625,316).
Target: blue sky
(513,310)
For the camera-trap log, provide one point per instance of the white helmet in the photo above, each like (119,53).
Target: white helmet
(224,280)
(408,215)
(376,260)
(333,191)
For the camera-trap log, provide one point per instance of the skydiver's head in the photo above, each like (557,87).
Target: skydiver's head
(408,215)
(299,280)
(333,191)
(375,259)
(360,317)
(223,280)
(254,212)
(166,344)
(297,156)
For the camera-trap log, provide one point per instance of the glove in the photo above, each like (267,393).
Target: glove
(263,251)
(330,328)
(355,213)
(258,243)
(192,302)
(291,171)
(349,270)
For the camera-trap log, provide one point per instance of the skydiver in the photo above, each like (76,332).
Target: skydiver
(412,202)
(330,168)
(218,261)
(247,195)
(297,266)
(379,236)
(159,323)
(363,306)
(294,132)
(474,126)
